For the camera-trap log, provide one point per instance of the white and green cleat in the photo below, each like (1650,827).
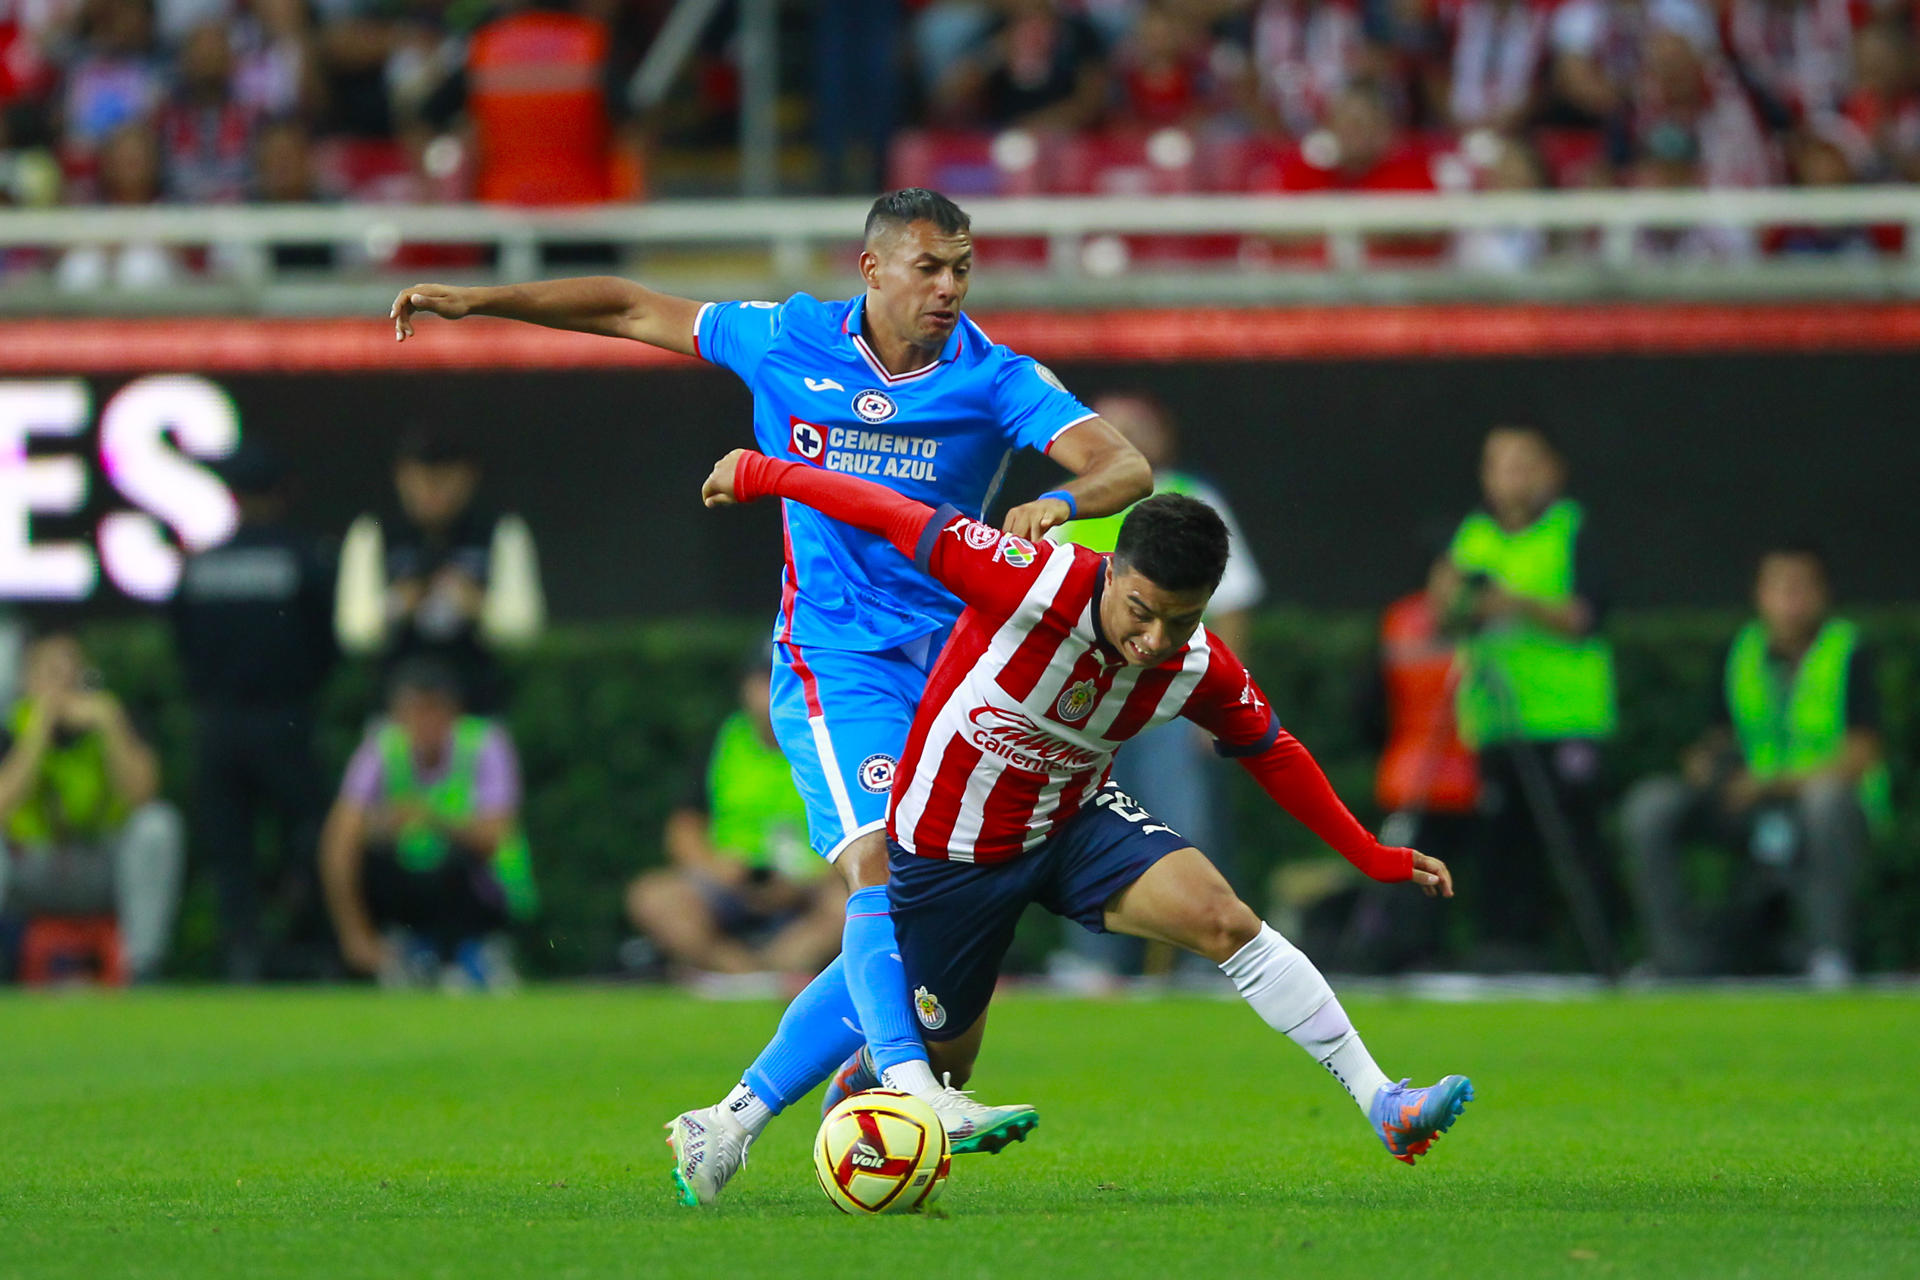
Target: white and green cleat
(708,1149)
(974,1126)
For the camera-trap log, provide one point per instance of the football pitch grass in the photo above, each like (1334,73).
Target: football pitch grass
(347,1134)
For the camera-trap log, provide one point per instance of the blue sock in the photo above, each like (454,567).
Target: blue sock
(877,980)
(817,1032)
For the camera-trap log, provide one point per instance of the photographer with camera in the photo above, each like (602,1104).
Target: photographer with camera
(1536,699)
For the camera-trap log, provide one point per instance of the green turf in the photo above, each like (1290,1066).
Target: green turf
(343,1134)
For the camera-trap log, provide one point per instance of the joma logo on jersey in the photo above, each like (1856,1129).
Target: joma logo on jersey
(807,440)
(1076,701)
(874,406)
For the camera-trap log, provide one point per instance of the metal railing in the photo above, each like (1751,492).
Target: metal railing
(1594,245)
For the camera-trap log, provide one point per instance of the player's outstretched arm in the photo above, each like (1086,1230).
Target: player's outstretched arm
(1109,475)
(606,305)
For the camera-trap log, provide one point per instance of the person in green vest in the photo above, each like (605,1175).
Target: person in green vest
(741,892)
(1171,770)
(82,828)
(1536,700)
(1790,769)
(424,841)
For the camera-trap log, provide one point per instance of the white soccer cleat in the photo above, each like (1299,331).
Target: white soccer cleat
(974,1126)
(709,1147)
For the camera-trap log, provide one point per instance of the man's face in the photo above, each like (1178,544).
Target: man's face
(757,701)
(434,494)
(916,282)
(426,717)
(1360,125)
(52,667)
(1146,622)
(1790,594)
(1518,472)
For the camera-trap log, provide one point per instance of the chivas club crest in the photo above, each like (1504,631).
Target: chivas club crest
(1076,701)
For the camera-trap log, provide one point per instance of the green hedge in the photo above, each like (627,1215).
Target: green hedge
(610,720)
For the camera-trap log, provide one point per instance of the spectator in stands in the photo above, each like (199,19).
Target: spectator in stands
(206,134)
(276,74)
(533,90)
(1497,52)
(116,79)
(82,828)
(1171,770)
(1163,70)
(1514,166)
(1879,119)
(447,579)
(1359,150)
(1790,55)
(1597,48)
(253,627)
(1036,67)
(1790,769)
(1670,161)
(741,893)
(127,176)
(1305,54)
(1536,699)
(425,840)
(1685,87)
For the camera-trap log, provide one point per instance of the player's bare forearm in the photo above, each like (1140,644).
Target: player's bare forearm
(605,305)
(1109,475)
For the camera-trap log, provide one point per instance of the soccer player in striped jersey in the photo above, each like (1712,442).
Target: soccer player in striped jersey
(897,384)
(1002,797)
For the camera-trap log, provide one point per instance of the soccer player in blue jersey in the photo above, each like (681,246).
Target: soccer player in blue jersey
(898,386)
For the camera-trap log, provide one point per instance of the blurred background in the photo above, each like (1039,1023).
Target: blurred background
(1399,281)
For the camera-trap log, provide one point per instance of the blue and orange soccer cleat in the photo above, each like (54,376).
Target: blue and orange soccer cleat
(1409,1120)
(856,1075)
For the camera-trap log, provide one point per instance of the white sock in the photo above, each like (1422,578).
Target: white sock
(747,1109)
(915,1077)
(1292,997)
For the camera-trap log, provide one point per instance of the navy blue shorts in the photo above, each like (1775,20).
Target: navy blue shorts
(955,920)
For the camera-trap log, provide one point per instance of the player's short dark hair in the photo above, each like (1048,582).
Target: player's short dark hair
(915,204)
(1175,542)
(435,445)
(427,675)
(1795,549)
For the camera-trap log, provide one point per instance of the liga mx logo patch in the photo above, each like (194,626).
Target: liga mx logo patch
(932,1015)
(1076,701)
(1017,552)
(874,406)
(876,773)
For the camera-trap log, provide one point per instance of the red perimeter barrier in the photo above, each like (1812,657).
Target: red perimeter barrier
(1194,334)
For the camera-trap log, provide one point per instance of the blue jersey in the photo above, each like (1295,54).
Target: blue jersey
(940,435)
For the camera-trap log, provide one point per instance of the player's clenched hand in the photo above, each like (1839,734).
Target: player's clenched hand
(444,300)
(718,490)
(1031,520)
(1432,875)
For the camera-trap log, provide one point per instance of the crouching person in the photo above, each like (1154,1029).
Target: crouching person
(423,859)
(82,831)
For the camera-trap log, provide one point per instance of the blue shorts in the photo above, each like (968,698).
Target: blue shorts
(841,719)
(954,920)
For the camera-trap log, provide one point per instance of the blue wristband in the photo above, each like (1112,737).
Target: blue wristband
(1073,508)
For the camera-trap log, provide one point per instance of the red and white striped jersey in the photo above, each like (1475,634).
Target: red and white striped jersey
(1028,704)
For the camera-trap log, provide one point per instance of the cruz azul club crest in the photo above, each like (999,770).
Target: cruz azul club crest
(933,1015)
(874,406)
(876,773)
(1076,701)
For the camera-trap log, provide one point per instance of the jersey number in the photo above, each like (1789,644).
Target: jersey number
(1121,805)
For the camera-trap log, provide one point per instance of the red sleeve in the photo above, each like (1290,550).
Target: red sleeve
(1228,704)
(988,569)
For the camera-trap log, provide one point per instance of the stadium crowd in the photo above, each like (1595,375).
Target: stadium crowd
(132,102)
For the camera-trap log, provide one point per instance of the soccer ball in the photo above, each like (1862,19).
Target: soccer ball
(881,1152)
